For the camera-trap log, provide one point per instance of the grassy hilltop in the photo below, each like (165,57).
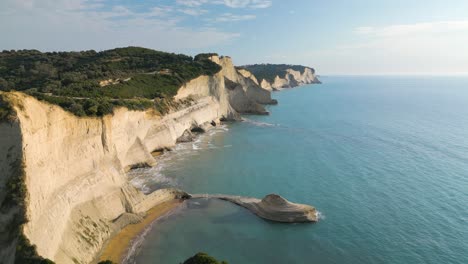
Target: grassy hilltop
(90,83)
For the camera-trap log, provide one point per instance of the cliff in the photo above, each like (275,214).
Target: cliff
(279,76)
(73,169)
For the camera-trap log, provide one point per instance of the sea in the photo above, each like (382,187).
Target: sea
(384,159)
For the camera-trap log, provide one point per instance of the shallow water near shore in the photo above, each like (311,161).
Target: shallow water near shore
(384,159)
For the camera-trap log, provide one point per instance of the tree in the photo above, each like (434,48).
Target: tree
(203,258)
(77,109)
(3,85)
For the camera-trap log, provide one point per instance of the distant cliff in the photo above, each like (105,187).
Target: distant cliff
(278,76)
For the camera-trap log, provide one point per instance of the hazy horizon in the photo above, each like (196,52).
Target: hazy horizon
(336,37)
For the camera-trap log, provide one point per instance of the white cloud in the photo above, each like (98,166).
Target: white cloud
(194,11)
(228,17)
(192,3)
(248,3)
(254,4)
(158,11)
(417,28)
(79,24)
(260,4)
(437,47)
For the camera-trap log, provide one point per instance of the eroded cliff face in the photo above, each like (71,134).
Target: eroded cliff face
(291,79)
(75,171)
(238,90)
(77,189)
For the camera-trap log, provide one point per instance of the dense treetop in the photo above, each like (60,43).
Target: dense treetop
(270,71)
(74,80)
(203,258)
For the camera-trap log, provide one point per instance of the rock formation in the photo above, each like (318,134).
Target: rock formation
(278,76)
(275,208)
(293,78)
(272,207)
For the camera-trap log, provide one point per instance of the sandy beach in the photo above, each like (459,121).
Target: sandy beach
(116,248)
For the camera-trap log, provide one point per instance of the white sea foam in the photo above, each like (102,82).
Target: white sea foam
(258,123)
(320,215)
(146,179)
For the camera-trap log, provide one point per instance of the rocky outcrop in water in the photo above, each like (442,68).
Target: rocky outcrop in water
(275,208)
(272,207)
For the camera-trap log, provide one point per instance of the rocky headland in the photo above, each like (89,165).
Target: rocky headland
(279,76)
(63,186)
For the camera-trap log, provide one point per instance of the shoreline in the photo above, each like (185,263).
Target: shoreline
(117,247)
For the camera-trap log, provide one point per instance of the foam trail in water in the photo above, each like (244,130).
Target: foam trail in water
(146,179)
(258,123)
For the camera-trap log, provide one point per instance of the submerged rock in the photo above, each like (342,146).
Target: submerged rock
(275,208)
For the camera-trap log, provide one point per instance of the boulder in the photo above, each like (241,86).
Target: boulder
(187,136)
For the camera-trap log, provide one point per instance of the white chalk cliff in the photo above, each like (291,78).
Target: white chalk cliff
(292,78)
(75,167)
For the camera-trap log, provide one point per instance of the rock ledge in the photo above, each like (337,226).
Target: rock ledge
(273,207)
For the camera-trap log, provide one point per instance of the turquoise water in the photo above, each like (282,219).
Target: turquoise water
(384,159)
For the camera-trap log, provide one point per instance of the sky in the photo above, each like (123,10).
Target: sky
(356,37)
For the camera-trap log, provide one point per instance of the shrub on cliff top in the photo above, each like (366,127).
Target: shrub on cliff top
(7,113)
(14,197)
(27,254)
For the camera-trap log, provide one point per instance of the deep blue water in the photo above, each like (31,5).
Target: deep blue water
(384,159)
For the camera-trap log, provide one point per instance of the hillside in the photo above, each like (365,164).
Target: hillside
(90,83)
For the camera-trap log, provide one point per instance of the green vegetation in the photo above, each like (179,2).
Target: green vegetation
(7,113)
(205,56)
(270,71)
(15,196)
(90,83)
(203,258)
(27,254)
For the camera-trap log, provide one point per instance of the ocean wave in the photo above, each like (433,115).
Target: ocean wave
(320,215)
(146,179)
(150,179)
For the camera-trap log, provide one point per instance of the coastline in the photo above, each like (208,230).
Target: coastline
(117,247)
